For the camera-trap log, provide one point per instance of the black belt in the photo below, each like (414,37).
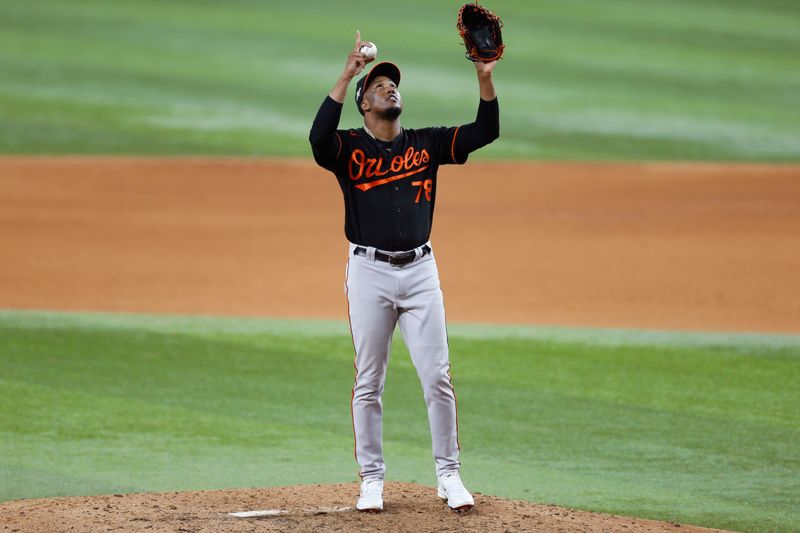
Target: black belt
(394,260)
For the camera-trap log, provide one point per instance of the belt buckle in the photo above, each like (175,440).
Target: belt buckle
(403,259)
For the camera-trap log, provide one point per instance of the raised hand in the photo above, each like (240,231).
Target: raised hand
(356,61)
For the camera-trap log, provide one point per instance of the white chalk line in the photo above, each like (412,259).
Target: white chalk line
(279,512)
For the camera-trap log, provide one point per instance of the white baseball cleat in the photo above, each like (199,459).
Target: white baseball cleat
(452,489)
(371,499)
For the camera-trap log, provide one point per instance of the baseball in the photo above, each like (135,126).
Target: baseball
(369,49)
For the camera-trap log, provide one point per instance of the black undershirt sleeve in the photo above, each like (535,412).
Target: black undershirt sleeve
(483,131)
(325,144)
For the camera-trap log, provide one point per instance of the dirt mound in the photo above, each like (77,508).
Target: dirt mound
(322,508)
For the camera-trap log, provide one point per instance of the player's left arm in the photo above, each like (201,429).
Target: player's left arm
(485,81)
(486,127)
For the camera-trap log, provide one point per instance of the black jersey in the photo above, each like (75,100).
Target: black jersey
(389,187)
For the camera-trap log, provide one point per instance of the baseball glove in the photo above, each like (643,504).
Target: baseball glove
(480,30)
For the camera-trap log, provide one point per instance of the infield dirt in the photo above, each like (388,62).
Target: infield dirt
(665,246)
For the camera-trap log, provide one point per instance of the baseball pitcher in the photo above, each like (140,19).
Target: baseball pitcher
(387,175)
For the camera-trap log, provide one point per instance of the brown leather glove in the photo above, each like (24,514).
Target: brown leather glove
(480,30)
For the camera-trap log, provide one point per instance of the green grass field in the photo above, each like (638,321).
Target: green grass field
(583,79)
(697,428)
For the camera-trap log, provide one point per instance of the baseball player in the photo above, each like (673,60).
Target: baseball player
(387,175)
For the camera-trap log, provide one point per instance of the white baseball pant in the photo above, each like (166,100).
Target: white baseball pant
(380,296)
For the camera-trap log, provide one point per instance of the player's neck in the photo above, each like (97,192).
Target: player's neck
(383,130)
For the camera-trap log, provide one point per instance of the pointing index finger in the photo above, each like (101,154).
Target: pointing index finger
(358,41)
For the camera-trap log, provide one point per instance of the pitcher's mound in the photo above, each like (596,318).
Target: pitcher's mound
(321,508)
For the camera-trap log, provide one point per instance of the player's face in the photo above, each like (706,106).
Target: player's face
(384,98)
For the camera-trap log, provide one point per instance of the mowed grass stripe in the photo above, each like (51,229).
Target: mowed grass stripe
(703,433)
(609,79)
(96,443)
(325,328)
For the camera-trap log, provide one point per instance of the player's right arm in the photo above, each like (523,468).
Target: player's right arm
(325,143)
(356,61)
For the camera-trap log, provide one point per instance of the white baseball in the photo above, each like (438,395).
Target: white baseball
(369,49)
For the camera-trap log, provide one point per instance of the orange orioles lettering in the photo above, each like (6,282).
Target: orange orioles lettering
(361,166)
